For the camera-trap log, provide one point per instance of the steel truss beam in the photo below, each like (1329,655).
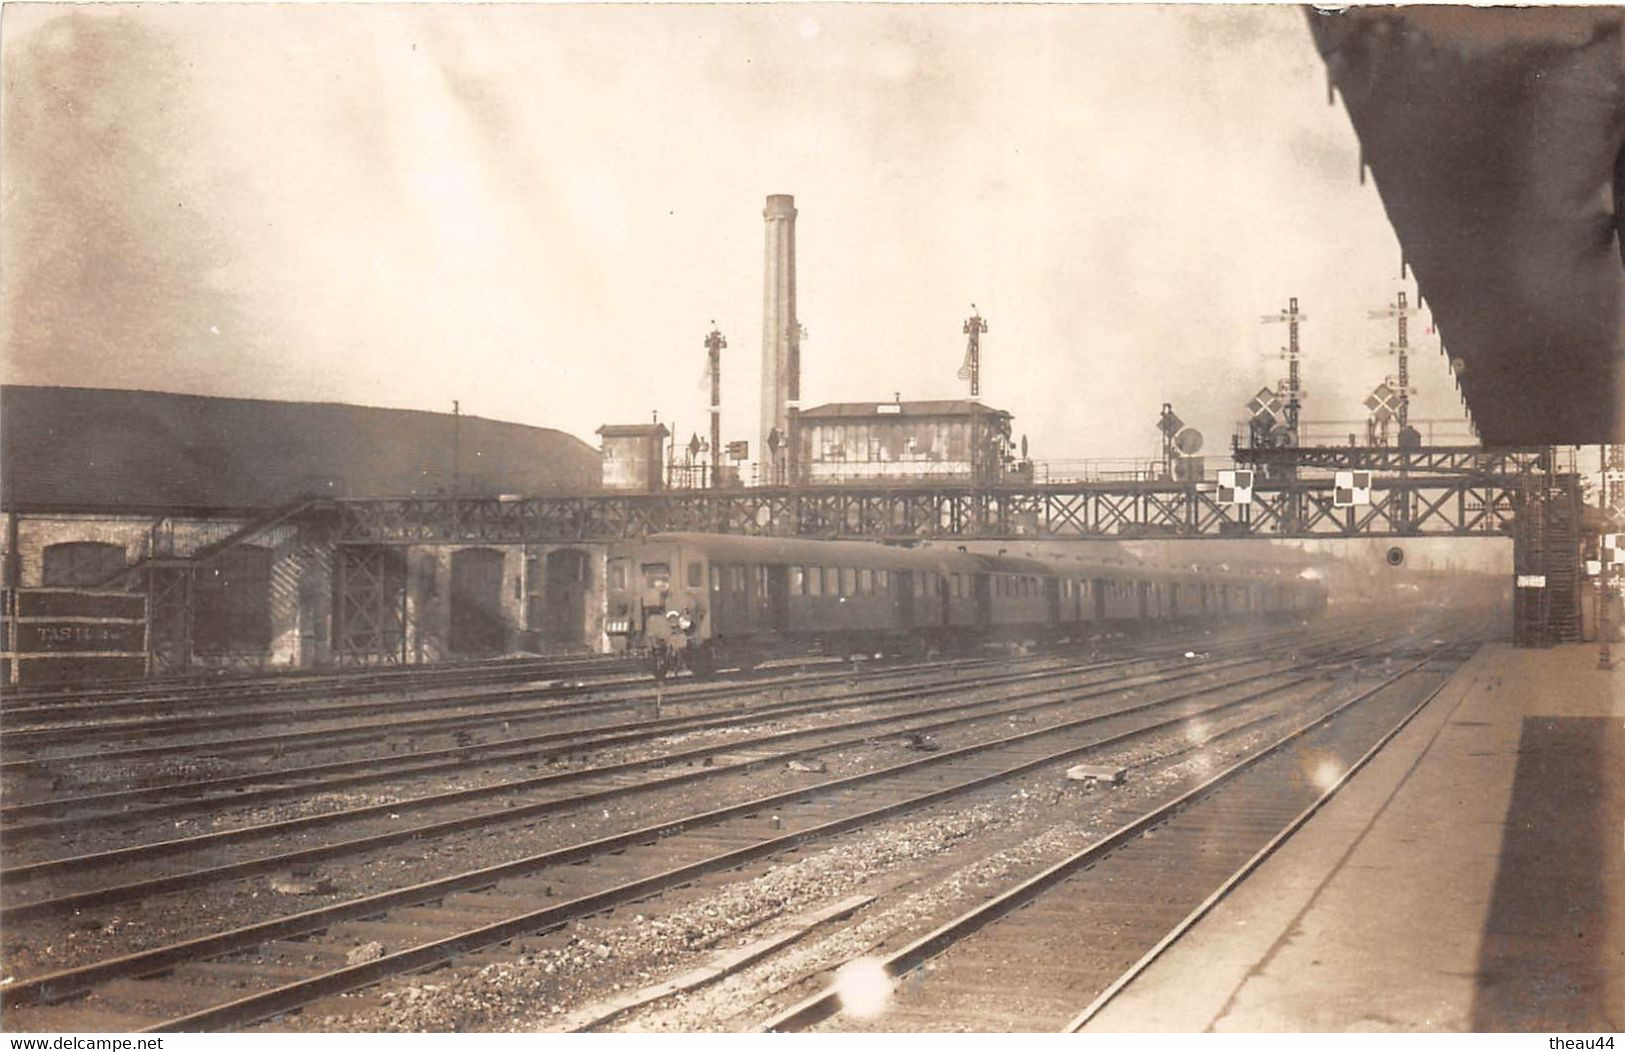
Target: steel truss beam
(369,606)
(1454,460)
(1422,506)
(170,590)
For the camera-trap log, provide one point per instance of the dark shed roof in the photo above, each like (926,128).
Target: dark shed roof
(88,448)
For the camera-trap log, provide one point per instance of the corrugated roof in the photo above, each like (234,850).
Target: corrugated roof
(76,447)
(941,407)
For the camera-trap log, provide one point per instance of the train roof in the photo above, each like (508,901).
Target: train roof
(861,554)
(937,559)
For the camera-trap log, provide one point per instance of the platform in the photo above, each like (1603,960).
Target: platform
(1470,878)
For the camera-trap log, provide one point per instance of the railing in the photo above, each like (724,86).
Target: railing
(1056,472)
(1353,432)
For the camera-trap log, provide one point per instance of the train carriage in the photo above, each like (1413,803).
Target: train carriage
(700,601)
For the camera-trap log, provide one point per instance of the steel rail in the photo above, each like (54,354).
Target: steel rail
(67,982)
(485,753)
(282,685)
(384,729)
(826,1003)
(1230,883)
(258,1006)
(538,746)
(1000,708)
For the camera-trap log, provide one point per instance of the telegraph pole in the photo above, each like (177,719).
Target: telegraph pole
(971,370)
(456,448)
(714,343)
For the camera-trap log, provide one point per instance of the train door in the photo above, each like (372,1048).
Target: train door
(1144,588)
(778,598)
(1173,602)
(728,599)
(476,601)
(1052,599)
(982,592)
(1077,600)
(903,597)
(1100,599)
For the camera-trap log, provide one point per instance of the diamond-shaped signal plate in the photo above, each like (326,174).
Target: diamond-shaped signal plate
(1382,400)
(1265,403)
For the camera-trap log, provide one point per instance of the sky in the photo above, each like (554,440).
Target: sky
(541,211)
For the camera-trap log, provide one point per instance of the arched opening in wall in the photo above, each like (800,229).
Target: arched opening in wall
(476,601)
(231,602)
(564,609)
(82,564)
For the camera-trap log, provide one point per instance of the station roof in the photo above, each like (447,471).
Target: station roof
(75,448)
(941,407)
(1494,136)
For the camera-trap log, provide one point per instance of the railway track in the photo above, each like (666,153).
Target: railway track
(56,814)
(75,721)
(63,818)
(1048,953)
(575,788)
(464,911)
(167,695)
(55,730)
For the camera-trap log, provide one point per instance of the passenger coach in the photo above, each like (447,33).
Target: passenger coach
(703,601)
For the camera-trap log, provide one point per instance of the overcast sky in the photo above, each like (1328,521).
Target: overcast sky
(540,210)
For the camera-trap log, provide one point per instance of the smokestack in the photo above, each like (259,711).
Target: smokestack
(781,365)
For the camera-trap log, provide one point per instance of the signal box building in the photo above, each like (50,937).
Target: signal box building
(903,442)
(632,455)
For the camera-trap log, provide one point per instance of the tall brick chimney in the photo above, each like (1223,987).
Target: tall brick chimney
(781,341)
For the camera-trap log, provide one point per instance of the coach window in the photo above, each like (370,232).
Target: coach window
(883,580)
(716,578)
(866,582)
(798,580)
(849,581)
(696,574)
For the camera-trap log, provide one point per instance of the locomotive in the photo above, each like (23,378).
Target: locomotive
(700,601)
